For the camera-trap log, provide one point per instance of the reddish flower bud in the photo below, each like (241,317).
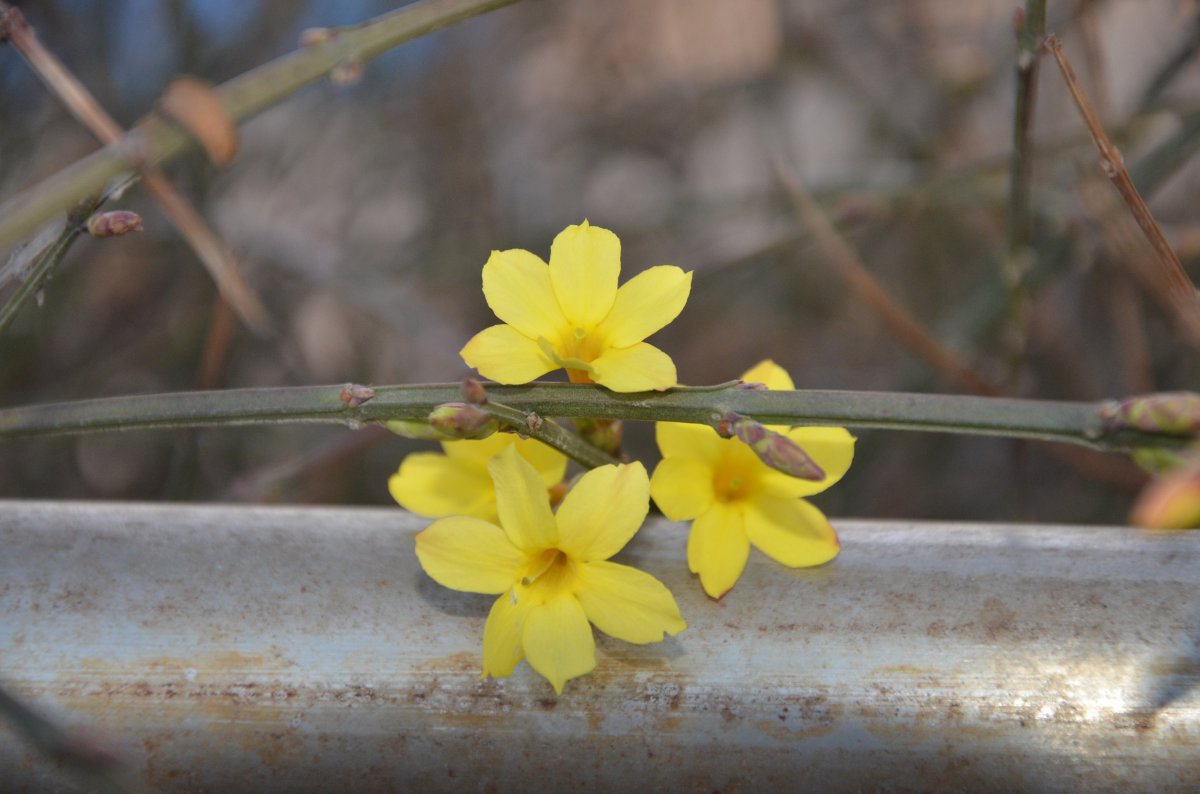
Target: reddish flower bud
(114,223)
(473,392)
(354,394)
(1169,413)
(774,449)
(459,420)
(348,72)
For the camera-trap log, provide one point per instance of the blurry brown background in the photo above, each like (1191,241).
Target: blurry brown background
(363,215)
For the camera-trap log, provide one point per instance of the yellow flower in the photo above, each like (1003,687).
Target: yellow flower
(571,314)
(552,571)
(735,500)
(433,484)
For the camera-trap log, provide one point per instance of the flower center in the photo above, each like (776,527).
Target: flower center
(549,571)
(731,482)
(575,351)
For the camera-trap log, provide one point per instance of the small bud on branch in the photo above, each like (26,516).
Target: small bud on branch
(354,394)
(114,223)
(1169,413)
(774,449)
(460,420)
(473,392)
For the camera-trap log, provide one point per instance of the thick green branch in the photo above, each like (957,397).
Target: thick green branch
(1070,422)
(155,140)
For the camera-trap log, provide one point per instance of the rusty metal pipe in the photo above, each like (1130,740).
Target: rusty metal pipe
(235,649)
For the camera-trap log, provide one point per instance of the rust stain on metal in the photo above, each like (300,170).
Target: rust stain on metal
(996,618)
(906,663)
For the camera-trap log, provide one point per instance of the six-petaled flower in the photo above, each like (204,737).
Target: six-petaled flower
(571,314)
(551,571)
(734,500)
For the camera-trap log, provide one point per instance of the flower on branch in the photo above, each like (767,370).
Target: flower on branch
(571,314)
(551,571)
(456,480)
(735,500)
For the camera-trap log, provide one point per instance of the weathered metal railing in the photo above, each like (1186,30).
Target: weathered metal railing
(301,649)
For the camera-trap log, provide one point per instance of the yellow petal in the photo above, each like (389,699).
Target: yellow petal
(771,374)
(517,287)
(718,548)
(522,502)
(831,447)
(550,464)
(684,440)
(791,531)
(682,487)
(585,262)
(506,355)
(558,641)
(502,650)
(434,485)
(646,303)
(469,554)
(641,367)
(477,452)
(628,604)
(603,511)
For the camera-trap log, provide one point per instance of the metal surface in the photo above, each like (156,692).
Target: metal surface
(248,649)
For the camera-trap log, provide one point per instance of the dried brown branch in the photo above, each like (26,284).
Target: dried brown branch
(212,251)
(907,329)
(1114,168)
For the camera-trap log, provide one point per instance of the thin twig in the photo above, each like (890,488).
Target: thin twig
(155,140)
(1071,422)
(47,261)
(550,433)
(906,327)
(1030,27)
(1114,168)
(908,330)
(215,255)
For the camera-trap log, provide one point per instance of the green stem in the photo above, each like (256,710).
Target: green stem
(1070,422)
(1018,260)
(1029,40)
(47,261)
(549,432)
(155,140)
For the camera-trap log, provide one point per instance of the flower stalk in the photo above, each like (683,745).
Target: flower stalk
(1083,423)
